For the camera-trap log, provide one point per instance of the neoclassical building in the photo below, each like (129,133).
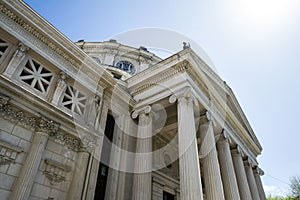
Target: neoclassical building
(102,120)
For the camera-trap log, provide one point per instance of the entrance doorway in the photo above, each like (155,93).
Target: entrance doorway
(105,159)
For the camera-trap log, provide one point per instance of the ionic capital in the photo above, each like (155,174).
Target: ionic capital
(143,110)
(224,136)
(183,94)
(259,171)
(206,118)
(249,163)
(238,150)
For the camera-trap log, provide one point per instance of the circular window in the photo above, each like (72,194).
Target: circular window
(126,66)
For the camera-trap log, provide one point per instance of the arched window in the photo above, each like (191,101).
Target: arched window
(126,66)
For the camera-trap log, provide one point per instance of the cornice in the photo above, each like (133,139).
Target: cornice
(244,118)
(158,78)
(121,49)
(204,79)
(36,123)
(57,48)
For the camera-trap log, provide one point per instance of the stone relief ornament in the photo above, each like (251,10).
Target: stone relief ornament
(8,153)
(55,171)
(14,115)
(37,124)
(66,140)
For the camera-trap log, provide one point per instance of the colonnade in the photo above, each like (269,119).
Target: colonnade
(226,174)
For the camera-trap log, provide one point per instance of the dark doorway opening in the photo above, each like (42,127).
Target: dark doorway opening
(168,196)
(105,158)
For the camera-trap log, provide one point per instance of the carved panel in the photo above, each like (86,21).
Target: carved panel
(37,124)
(55,171)
(8,153)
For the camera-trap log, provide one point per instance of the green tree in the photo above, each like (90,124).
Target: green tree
(295,186)
(282,198)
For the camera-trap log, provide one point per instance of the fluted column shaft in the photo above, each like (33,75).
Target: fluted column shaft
(211,168)
(143,162)
(24,182)
(251,181)
(189,168)
(261,191)
(241,175)
(231,189)
(76,186)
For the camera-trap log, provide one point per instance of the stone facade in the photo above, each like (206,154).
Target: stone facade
(101,120)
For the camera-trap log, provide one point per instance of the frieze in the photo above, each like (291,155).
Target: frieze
(36,34)
(16,116)
(37,124)
(66,140)
(181,67)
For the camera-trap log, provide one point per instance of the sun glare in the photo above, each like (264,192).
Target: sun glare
(266,12)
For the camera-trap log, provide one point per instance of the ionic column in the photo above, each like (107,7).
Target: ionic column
(251,180)
(23,185)
(190,180)
(79,176)
(240,174)
(257,174)
(143,161)
(230,185)
(208,154)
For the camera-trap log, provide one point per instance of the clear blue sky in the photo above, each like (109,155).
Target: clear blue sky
(255,45)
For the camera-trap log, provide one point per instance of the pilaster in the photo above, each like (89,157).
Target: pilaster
(60,88)
(23,185)
(16,60)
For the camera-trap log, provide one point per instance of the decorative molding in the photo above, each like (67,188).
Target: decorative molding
(143,110)
(207,117)
(259,171)
(37,124)
(60,88)
(168,74)
(224,136)
(8,153)
(66,140)
(37,34)
(55,171)
(184,93)
(249,162)
(14,115)
(238,150)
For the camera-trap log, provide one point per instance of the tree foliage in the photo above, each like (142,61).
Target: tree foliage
(295,186)
(282,198)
